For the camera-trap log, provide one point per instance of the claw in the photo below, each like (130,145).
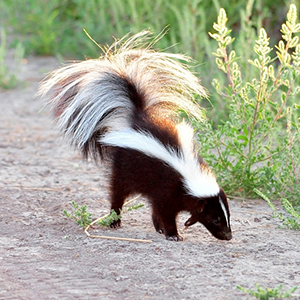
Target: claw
(116,224)
(176,238)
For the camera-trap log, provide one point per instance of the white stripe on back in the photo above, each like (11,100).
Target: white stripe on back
(198,182)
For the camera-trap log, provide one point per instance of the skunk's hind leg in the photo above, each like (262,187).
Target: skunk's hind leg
(118,195)
(117,201)
(157,223)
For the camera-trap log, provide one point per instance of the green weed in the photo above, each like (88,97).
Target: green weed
(267,293)
(79,215)
(113,216)
(135,206)
(292,222)
(83,218)
(258,145)
(109,219)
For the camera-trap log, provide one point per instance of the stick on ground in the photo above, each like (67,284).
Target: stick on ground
(111,237)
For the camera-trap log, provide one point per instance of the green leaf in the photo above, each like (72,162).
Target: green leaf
(294,42)
(296,28)
(231,56)
(242,137)
(281,46)
(215,36)
(285,29)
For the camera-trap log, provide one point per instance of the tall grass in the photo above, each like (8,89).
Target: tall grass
(7,79)
(51,27)
(55,26)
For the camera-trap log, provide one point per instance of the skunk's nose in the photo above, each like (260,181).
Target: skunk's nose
(228,236)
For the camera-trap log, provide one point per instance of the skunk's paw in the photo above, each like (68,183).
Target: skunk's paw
(176,238)
(116,224)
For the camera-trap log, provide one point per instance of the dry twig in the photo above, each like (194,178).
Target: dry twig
(111,237)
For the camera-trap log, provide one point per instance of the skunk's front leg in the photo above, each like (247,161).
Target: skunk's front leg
(171,232)
(165,222)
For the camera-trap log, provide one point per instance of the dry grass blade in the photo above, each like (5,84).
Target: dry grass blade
(111,237)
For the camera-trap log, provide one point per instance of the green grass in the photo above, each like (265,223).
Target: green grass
(290,222)
(55,27)
(7,79)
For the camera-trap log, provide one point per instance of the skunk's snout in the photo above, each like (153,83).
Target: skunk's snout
(224,235)
(228,236)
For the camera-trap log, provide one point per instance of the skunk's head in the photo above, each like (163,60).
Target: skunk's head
(213,213)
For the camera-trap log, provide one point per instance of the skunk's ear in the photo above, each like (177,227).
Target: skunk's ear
(196,214)
(200,206)
(192,220)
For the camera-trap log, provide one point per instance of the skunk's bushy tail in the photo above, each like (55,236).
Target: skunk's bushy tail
(95,97)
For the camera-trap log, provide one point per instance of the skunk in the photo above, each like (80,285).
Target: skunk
(123,108)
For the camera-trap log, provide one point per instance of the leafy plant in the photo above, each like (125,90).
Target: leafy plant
(83,218)
(268,293)
(135,206)
(113,216)
(79,215)
(109,219)
(262,130)
(292,222)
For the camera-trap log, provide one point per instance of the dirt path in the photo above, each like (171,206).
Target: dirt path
(43,255)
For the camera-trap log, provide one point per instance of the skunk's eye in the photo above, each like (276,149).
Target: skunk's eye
(217,221)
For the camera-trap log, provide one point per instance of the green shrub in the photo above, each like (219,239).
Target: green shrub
(256,149)
(258,145)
